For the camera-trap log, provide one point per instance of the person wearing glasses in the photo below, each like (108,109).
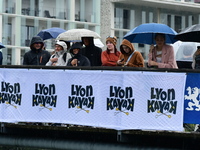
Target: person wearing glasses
(92,52)
(130,57)
(110,56)
(36,55)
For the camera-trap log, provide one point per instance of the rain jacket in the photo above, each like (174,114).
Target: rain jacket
(167,60)
(61,61)
(36,56)
(136,60)
(93,53)
(82,60)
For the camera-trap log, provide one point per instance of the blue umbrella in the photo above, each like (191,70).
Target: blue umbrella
(1,45)
(145,33)
(50,33)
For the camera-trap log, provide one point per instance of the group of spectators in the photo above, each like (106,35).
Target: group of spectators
(85,53)
(64,54)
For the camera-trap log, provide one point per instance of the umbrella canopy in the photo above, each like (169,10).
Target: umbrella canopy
(145,33)
(98,43)
(186,50)
(190,34)
(1,45)
(74,35)
(50,33)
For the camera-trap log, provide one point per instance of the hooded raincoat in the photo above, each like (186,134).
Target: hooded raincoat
(63,56)
(36,56)
(92,52)
(133,58)
(82,60)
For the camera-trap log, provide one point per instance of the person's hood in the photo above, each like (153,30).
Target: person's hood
(36,39)
(76,46)
(128,44)
(91,40)
(62,44)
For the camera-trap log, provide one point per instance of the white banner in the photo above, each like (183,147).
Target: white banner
(110,99)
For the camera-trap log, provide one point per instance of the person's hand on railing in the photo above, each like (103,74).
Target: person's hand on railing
(74,62)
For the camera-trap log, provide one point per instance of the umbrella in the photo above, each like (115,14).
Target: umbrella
(190,34)
(75,35)
(186,50)
(1,45)
(184,53)
(50,33)
(98,43)
(145,33)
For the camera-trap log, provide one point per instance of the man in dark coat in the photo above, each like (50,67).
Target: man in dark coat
(36,55)
(78,59)
(92,52)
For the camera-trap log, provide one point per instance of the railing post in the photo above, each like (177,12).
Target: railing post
(2,130)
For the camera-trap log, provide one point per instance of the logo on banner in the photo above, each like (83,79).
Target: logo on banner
(162,102)
(121,100)
(193,98)
(10,94)
(44,96)
(81,98)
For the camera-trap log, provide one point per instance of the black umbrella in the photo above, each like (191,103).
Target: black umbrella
(190,34)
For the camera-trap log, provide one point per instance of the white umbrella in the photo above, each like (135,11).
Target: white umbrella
(74,35)
(98,43)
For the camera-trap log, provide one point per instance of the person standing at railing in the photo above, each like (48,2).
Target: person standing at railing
(92,52)
(130,57)
(161,55)
(36,55)
(110,56)
(57,58)
(78,59)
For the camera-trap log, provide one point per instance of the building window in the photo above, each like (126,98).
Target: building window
(122,18)
(7,36)
(126,19)
(28,34)
(177,22)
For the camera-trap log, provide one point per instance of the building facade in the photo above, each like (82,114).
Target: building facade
(125,15)
(23,19)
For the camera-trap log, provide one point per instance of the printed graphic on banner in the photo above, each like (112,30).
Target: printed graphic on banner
(120,100)
(81,98)
(44,96)
(163,102)
(192,99)
(10,94)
